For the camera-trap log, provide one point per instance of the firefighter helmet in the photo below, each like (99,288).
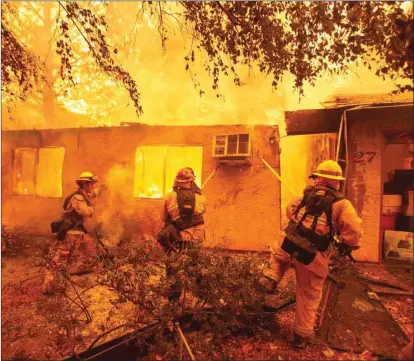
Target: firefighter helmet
(184,175)
(86,177)
(328,169)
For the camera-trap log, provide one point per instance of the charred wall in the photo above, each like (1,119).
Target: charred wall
(243,202)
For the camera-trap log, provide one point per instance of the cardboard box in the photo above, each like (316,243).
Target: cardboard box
(391,204)
(390,210)
(398,245)
(392,200)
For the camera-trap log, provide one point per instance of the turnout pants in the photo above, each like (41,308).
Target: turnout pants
(309,285)
(76,252)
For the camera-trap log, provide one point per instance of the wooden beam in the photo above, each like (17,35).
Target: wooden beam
(397,285)
(389,291)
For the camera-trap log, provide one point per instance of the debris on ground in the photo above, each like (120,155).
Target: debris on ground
(357,319)
(29,331)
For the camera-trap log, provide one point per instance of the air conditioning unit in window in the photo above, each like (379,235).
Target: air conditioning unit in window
(232,148)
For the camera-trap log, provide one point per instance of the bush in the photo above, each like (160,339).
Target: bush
(220,286)
(12,239)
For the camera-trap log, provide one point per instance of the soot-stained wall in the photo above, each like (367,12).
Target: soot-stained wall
(243,202)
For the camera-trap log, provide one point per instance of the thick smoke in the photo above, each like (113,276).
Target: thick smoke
(114,210)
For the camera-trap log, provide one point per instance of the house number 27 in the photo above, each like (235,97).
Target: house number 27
(364,157)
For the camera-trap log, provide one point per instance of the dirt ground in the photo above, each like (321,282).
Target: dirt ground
(31,329)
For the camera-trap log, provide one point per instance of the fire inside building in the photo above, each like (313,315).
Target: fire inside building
(138,164)
(248,174)
(203,180)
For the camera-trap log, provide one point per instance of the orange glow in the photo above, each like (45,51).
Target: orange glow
(24,171)
(38,171)
(183,156)
(149,173)
(49,172)
(97,100)
(156,167)
(151,192)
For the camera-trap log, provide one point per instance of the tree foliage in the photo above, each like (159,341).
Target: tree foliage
(219,292)
(305,39)
(92,29)
(20,69)
(224,284)
(308,40)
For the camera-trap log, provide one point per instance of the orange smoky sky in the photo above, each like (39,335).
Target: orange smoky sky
(168,92)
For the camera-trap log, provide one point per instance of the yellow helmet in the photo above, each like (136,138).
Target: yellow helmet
(328,169)
(86,177)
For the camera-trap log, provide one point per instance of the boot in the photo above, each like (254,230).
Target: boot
(48,283)
(273,325)
(47,289)
(300,341)
(267,285)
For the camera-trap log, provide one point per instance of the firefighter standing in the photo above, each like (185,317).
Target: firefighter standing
(307,239)
(183,213)
(73,239)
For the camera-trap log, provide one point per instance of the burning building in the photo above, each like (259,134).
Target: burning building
(245,202)
(138,163)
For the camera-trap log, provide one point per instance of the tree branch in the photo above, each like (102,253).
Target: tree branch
(80,31)
(230,16)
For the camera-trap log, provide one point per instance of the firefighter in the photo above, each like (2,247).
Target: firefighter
(307,242)
(73,239)
(183,213)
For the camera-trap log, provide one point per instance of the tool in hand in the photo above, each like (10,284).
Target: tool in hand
(345,250)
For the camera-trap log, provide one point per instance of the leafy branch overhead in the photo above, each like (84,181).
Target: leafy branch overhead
(20,69)
(307,40)
(92,28)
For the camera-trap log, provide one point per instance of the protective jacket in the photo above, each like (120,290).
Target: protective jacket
(311,228)
(77,207)
(340,218)
(186,200)
(184,209)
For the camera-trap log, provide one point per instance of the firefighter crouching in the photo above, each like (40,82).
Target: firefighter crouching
(183,213)
(307,242)
(74,243)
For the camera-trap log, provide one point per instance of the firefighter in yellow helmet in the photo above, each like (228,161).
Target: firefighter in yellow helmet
(183,212)
(307,242)
(74,246)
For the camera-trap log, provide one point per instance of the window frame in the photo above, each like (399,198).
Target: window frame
(167,147)
(226,143)
(36,165)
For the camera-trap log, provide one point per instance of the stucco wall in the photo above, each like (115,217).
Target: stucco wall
(366,129)
(243,202)
(309,150)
